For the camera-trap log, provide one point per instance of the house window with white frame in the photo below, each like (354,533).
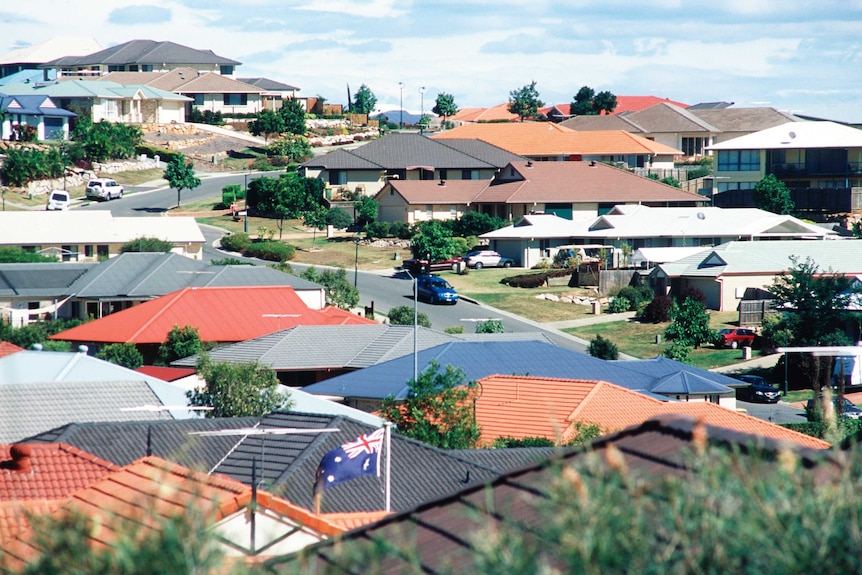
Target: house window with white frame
(693,146)
(235,99)
(429,211)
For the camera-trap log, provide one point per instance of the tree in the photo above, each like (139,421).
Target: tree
(604,102)
(366,210)
(266,124)
(293,117)
(338,218)
(182,341)
(143,244)
(364,100)
(403,315)
(582,103)
(490,326)
(339,291)
(315,218)
(690,325)
(125,354)
(525,101)
(290,196)
(17,255)
(294,148)
(772,195)
(432,241)
(180,174)
(437,410)
(237,389)
(603,348)
(677,351)
(445,106)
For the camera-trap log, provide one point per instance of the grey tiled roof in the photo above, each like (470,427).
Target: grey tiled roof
(144,52)
(30,408)
(326,346)
(124,442)
(43,279)
(400,151)
(267,84)
(143,275)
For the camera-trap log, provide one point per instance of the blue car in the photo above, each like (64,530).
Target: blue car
(435,289)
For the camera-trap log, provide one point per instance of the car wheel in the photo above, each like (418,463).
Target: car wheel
(507,264)
(478,265)
(433,299)
(120,197)
(734,344)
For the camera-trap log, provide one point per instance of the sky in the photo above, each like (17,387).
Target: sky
(794,55)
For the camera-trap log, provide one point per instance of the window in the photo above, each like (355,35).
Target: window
(694,146)
(199,99)
(102,252)
(738,160)
(133,67)
(235,99)
(444,174)
(453,211)
(429,211)
(146,67)
(88,251)
(337,177)
(226,70)
(115,68)
(471,174)
(725,186)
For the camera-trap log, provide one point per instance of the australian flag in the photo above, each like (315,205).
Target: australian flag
(353,459)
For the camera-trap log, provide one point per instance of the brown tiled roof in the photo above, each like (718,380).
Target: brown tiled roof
(523,406)
(150,489)
(15,515)
(183,80)
(56,470)
(549,139)
(493,114)
(430,192)
(7,348)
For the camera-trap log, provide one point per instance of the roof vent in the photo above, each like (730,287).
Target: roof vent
(20,454)
(529,163)
(592,163)
(36,347)
(83,349)
(442,183)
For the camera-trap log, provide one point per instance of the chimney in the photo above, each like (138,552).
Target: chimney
(442,183)
(20,458)
(529,163)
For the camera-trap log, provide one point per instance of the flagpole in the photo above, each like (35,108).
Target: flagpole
(387,439)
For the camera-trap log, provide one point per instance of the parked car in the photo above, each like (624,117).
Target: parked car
(418,267)
(104,189)
(758,390)
(59,200)
(487,258)
(850,411)
(736,337)
(435,289)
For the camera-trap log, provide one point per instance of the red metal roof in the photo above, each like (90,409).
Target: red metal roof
(221,314)
(166,373)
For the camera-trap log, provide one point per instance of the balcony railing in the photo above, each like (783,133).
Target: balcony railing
(801,170)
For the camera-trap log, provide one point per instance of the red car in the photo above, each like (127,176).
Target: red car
(736,337)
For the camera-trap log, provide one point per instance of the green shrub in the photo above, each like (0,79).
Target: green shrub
(658,310)
(603,348)
(533,280)
(230,262)
(619,305)
(27,164)
(166,156)
(238,242)
(403,315)
(271,251)
(402,230)
(636,295)
(454,329)
(378,230)
(490,326)
(231,193)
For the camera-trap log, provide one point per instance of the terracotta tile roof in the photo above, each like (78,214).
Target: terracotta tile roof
(430,192)
(348,521)
(216,312)
(549,139)
(493,114)
(635,103)
(14,515)
(521,406)
(7,348)
(56,471)
(162,489)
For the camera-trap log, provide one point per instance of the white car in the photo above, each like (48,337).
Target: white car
(104,189)
(487,258)
(58,200)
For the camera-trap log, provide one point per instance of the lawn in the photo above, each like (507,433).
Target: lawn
(639,339)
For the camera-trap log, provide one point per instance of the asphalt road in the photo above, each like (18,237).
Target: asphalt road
(775,412)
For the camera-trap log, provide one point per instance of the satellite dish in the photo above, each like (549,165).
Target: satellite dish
(792,135)
(701,216)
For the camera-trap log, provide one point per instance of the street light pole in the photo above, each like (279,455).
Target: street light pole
(356,262)
(415,326)
(422,109)
(401,105)
(245,227)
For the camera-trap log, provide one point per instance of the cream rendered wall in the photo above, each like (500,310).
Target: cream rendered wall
(733,286)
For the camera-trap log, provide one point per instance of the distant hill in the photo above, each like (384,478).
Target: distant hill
(394,116)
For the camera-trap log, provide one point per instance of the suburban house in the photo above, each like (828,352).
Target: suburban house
(730,273)
(37,111)
(306,354)
(554,113)
(576,191)
(204,90)
(366,169)
(41,390)
(546,141)
(141,56)
(667,380)
(31,57)
(274,93)
(690,130)
(221,314)
(821,163)
(78,236)
(111,101)
(430,538)
(29,291)
(286,464)
(518,407)
(249,524)
(532,239)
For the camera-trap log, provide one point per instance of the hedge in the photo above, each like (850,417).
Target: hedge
(272,251)
(164,155)
(534,280)
(817,429)
(238,242)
